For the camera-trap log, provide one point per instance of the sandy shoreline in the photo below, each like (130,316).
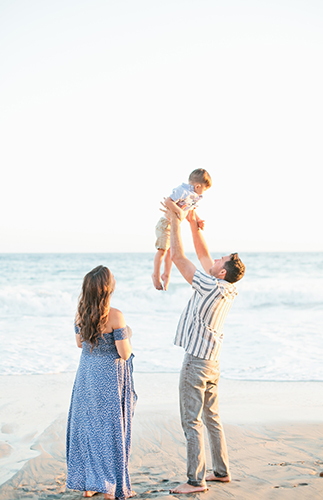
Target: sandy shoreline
(274,432)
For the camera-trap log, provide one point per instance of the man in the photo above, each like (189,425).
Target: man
(200,333)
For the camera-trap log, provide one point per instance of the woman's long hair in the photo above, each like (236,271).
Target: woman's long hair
(94,304)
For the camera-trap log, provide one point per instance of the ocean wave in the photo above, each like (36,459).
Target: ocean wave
(288,304)
(27,301)
(273,332)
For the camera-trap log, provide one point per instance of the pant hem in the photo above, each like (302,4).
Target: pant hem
(195,483)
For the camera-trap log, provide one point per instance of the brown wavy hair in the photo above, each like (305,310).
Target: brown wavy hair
(94,304)
(235,268)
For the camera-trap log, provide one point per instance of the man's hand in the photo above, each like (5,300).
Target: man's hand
(201,224)
(169,203)
(169,213)
(193,218)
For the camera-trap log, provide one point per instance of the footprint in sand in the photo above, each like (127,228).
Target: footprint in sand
(5,449)
(294,485)
(9,428)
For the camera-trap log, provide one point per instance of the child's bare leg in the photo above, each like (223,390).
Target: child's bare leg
(167,268)
(157,265)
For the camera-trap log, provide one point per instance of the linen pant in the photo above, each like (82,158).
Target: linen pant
(198,391)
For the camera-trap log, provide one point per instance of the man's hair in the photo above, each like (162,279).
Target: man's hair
(200,176)
(235,268)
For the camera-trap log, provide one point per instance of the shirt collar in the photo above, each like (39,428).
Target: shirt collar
(189,187)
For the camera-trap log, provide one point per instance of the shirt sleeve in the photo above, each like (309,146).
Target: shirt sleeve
(120,333)
(76,329)
(178,193)
(203,283)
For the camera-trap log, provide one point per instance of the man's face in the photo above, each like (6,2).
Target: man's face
(217,270)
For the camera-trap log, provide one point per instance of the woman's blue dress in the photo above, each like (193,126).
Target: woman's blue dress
(100,418)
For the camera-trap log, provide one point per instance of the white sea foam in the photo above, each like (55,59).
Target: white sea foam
(273,332)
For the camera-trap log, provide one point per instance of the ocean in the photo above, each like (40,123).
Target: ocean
(274,330)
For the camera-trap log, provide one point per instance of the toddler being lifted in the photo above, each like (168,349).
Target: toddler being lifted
(182,199)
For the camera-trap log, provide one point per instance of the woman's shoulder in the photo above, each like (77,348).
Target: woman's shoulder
(116,319)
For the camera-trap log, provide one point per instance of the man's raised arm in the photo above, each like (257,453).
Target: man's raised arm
(200,245)
(183,264)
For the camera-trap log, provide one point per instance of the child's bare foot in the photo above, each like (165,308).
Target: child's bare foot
(165,279)
(212,477)
(157,283)
(88,494)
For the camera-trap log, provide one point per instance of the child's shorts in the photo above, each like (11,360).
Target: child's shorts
(163,234)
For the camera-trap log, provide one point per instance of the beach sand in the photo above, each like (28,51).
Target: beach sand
(274,433)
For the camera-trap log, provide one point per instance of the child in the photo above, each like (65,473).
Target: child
(182,199)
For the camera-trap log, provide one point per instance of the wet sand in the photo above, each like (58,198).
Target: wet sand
(274,433)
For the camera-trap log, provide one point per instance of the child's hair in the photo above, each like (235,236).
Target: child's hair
(235,268)
(200,176)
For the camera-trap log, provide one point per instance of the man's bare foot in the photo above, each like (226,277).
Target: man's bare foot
(188,488)
(212,477)
(88,494)
(157,283)
(165,279)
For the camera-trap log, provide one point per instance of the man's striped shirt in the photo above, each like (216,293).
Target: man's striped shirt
(200,328)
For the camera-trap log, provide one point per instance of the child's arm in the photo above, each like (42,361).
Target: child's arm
(174,208)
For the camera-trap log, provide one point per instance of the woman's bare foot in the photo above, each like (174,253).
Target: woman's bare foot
(212,477)
(88,494)
(133,494)
(157,283)
(165,280)
(188,488)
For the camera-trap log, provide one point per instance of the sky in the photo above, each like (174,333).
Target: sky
(107,105)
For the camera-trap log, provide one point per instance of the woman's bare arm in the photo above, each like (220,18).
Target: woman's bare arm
(124,347)
(78,340)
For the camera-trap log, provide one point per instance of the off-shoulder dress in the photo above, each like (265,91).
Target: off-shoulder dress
(100,419)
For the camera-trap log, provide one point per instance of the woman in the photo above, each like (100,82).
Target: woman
(103,398)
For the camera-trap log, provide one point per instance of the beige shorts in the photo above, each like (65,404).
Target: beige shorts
(162,234)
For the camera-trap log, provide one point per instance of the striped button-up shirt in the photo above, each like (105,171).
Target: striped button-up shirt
(200,328)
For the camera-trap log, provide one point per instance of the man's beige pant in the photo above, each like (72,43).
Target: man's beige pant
(198,389)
